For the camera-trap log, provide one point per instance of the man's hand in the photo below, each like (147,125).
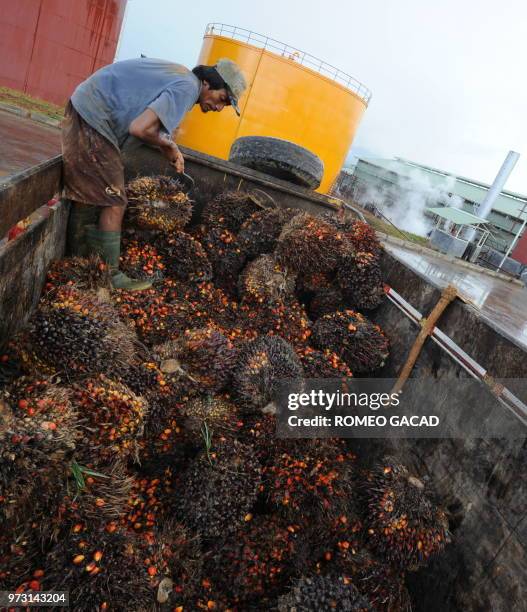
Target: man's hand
(171,151)
(147,128)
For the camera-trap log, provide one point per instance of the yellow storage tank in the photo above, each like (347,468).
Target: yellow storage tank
(291,95)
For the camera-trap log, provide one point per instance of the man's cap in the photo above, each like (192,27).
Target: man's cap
(234,79)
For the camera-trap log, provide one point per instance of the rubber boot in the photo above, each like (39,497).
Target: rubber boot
(108,246)
(81,215)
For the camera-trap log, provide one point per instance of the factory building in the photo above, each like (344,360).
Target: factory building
(388,184)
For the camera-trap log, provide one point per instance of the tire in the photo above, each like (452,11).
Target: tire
(279,158)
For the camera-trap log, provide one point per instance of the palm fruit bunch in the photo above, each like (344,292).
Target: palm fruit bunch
(148,507)
(184,258)
(141,260)
(37,438)
(264,281)
(404,524)
(323,364)
(360,234)
(20,554)
(206,356)
(158,203)
(229,210)
(360,278)
(310,484)
(176,556)
(313,282)
(262,364)
(325,301)
(259,233)
(214,413)
(142,377)
(10,364)
(111,417)
(287,320)
(308,244)
(260,557)
(203,304)
(220,487)
(324,594)
(75,332)
(360,343)
(382,585)
(225,255)
(101,569)
(149,313)
(85,274)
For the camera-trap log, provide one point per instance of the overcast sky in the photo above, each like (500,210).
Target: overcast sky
(449,77)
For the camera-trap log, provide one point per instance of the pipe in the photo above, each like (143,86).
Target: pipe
(496,188)
(472,367)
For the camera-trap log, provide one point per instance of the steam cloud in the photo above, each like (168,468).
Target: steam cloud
(404,198)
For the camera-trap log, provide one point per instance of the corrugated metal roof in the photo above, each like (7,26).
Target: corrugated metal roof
(457,216)
(508,203)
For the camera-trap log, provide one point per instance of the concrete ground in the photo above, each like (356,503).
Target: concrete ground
(24,142)
(501,303)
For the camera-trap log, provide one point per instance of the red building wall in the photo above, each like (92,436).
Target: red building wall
(47,47)
(519,252)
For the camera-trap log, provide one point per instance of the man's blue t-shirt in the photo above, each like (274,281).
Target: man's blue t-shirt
(111,98)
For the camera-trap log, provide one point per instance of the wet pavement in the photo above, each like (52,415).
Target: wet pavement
(502,304)
(24,143)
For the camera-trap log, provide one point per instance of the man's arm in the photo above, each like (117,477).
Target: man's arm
(147,127)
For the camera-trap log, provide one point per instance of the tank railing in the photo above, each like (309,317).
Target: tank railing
(292,53)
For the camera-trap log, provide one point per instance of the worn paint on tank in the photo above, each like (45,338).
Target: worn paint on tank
(284,100)
(49,46)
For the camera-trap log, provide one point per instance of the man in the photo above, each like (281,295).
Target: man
(143,99)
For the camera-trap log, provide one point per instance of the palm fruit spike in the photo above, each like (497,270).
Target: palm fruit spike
(264,281)
(404,525)
(205,355)
(176,555)
(226,257)
(142,260)
(37,438)
(259,556)
(111,419)
(262,364)
(324,594)
(381,584)
(220,485)
(326,301)
(183,257)
(158,203)
(314,484)
(84,274)
(218,413)
(323,364)
(360,279)
(77,333)
(230,209)
(259,233)
(309,245)
(361,235)
(361,344)
(101,569)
